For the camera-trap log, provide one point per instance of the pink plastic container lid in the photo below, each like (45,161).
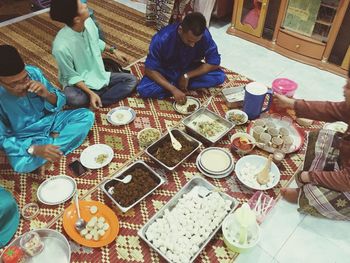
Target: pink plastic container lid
(284,86)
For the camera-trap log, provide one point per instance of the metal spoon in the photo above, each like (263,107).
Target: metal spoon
(79,223)
(206,105)
(125,180)
(174,142)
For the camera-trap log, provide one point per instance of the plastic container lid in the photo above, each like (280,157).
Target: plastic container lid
(284,86)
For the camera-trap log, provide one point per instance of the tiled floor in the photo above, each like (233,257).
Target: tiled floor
(287,236)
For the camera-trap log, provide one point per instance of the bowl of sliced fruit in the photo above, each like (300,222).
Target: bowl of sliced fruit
(242,143)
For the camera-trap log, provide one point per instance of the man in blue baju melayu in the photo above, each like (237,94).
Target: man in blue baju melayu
(33,127)
(175,60)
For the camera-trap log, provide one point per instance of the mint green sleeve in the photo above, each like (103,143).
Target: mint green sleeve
(68,74)
(102,45)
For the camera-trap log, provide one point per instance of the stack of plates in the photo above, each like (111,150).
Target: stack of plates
(215,162)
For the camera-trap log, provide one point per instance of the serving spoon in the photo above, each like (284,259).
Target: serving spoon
(79,223)
(174,142)
(125,180)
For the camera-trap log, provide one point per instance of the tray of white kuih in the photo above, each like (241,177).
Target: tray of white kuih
(184,226)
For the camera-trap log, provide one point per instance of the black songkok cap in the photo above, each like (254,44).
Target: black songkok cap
(11,62)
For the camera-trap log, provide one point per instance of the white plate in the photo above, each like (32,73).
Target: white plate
(89,155)
(215,176)
(215,160)
(258,162)
(121,115)
(227,115)
(182,109)
(337,126)
(56,190)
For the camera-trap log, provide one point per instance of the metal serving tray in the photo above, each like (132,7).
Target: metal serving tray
(56,247)
(204,111)
(122,174)
(195,181)
(153,147)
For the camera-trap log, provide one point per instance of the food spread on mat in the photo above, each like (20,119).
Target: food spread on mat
(207,127)
(168,155)
(243,143)
(143,181)
(180,232)
(191,108)
(96,227)
(147,137)
(236,117)
(101,158)
(249,173)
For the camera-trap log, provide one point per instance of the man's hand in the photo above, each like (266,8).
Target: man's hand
(121,57)
(183,83)
(38,88)
(49,152)
(95,101)
(282,101)
(179,96)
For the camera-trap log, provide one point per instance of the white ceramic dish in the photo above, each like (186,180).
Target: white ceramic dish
(89,156)
(235,111)
(256,163)
(56,190)
(121,115)
(337,126)
(215,160)
(56,247)
(214,176)
(182,109)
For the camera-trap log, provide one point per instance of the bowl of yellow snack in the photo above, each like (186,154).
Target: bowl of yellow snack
(148,136)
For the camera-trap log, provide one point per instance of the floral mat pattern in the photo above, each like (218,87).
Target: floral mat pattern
(123,139)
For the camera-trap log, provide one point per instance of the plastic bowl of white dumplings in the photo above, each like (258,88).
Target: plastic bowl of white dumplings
(230,231)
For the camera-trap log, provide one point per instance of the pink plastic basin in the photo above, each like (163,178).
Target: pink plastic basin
(284,86)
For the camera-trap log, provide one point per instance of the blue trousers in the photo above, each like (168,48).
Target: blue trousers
(120,86)
(150,89)
(72,127)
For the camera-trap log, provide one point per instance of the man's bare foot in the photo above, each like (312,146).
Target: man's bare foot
(290,194)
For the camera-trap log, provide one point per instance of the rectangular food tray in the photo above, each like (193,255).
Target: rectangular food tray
(152,148)
(204,111)
(195,181)
(124,172)
(234,96)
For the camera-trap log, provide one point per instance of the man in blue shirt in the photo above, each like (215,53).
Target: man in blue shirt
(33,127)
(175,60)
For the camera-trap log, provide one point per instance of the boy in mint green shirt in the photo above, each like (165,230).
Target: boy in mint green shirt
(77,50)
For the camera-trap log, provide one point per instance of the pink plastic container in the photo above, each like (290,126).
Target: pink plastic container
(284,86)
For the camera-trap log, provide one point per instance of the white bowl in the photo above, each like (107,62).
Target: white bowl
(244,135)
(150,141)
(235,111)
